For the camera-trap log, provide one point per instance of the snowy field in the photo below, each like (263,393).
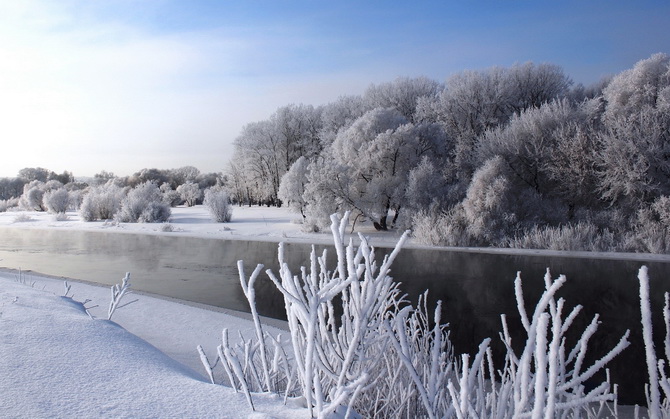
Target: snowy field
(248,223)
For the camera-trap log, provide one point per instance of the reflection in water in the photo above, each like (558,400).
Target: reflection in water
(475,288)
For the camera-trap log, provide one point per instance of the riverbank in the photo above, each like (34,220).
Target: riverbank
(269,224)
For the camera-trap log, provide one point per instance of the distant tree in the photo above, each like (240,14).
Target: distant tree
(184,174)
(157,176)
(208,180)
(11,187)
(103,177)
(64,178)
(35,173)
(190,193)
(532,85)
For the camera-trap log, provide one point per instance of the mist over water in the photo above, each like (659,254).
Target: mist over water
(475,288)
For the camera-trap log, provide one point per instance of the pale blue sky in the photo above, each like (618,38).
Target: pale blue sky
(121,85)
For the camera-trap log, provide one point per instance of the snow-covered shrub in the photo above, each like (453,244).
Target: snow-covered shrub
(56,200)
(144,203)
(651,229)
(334,353)
(6,204)
(579,236)
(155,212)
(101,202)
(76,197)
(218,205)
(190,192)
(167,228)
(438,228)
(61,216)
(22,218)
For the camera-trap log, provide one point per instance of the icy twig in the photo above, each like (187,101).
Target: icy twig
(118,291)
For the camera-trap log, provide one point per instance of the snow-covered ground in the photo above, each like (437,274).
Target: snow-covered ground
(57,362)
(248,223)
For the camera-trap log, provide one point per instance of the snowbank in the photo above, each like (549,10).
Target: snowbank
(59,362)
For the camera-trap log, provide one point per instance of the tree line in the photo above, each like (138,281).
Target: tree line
(516,156)
(145,196)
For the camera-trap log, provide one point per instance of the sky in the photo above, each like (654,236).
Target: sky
(122,85)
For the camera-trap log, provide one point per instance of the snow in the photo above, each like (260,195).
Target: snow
(59,362)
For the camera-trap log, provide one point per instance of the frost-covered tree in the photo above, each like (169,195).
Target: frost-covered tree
(528,142)
(292,187)
(144,203)
(33,192)
(56,200)
(190,193)
(402,94)
(326,192)
(496,206)
(171,197)
(11,187)
(532,85)
(647,84)
(428,189)
(218,204)
(36,173)
(184,174)
(339,115)
(377,152)
(634,165)
(103,177)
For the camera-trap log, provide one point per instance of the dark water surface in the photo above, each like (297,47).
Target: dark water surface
(475,287)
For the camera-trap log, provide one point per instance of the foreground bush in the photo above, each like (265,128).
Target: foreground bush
(360,348)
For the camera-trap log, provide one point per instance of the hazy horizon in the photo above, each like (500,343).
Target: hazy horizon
(124,85)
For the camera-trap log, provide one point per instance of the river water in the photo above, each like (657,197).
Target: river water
(475,288)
